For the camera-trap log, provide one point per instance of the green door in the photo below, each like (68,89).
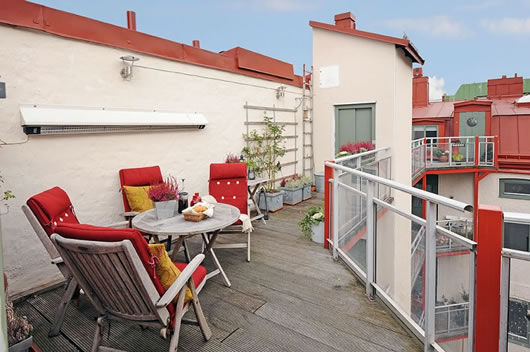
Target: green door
(354,123)
(473,123)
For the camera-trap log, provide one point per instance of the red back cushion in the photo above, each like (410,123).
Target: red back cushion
(228,184)
(108,234)
(51,208)
(141,176)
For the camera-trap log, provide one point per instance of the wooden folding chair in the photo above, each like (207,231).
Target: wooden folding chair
(118,277)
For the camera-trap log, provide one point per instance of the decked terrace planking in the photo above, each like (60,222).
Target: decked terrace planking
(291,297)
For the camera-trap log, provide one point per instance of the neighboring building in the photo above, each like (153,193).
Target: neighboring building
(495,116)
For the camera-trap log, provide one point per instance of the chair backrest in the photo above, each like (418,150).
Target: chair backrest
(140,176)
(98,263)
(45,211)
(113,278)
(228,184)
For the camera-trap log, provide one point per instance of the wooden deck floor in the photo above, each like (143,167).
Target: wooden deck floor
(291,297)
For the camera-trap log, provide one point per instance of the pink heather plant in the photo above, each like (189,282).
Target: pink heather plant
(161,192)
(358,147)
(232,158)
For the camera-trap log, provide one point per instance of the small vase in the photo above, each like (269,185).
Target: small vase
(251,175)
(165,209)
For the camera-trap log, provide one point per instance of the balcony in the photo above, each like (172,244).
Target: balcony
(291,297)
(452,153)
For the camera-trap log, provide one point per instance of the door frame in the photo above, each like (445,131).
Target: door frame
(364,104)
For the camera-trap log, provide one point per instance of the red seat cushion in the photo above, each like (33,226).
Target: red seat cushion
(228,184)
(198,276)
(51,208)
(108,234)
(141,176)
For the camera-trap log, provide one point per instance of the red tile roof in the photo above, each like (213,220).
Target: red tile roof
(65,24)
(405,44)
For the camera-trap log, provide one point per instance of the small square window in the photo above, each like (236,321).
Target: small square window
(514,188)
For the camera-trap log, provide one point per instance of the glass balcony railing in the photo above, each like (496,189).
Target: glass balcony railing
(453,152)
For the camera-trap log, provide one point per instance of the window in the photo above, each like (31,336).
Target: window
(518,321)
(424,131)
(517,236)
(514,188)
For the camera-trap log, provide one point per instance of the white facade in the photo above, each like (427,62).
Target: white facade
(39,68)
(370,71)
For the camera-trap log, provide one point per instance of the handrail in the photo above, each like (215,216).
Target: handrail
(451,203)
(518,218)
(515,254)
(360,155)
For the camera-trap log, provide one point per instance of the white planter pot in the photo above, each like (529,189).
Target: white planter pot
(319,182)
(22,346)
(165,209)
(318,232)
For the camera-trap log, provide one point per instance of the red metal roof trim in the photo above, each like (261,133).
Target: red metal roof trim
(403,43)
(69,25)
(250,60)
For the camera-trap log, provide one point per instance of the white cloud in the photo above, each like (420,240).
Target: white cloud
(436,88)
(436,26)
(508,25)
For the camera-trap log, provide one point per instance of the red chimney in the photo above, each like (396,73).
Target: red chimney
(420,88)
(131,20)
(505,87)
(196,44)
(345,20)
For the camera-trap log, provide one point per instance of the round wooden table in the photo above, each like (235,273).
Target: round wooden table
(224,215)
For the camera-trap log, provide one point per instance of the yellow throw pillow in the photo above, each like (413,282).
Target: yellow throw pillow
(138,198)
(165,269)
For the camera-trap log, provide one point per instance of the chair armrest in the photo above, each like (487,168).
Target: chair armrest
(130,214)
(57,260)
(179,283)
(120,224)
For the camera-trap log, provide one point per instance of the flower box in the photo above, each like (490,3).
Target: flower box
(22,346)
(306,192)
(293,196)
(271,202)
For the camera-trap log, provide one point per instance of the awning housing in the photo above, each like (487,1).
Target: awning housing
(37,119)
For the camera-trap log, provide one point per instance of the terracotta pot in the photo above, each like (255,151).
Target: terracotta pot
(444,158)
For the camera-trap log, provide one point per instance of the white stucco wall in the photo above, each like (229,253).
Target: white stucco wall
(458,187)
(44,69)
(489,193)
(371,71)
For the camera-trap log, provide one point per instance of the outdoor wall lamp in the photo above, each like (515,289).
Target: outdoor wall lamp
(128,63)
(280,92)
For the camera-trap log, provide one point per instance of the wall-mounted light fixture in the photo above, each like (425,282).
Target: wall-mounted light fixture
(280,92)
(128,63)
(3,93)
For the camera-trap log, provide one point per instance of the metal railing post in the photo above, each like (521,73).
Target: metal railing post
(370,238)
(430,275)
(505,296)
(471,306)
(335,212)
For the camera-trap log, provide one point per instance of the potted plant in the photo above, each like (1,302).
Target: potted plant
(312,224)
(165,196)
(306,182)
(18,330)
(264,149)
(355,148)
(458,157)
(442,155)
(232,158)
(293,190)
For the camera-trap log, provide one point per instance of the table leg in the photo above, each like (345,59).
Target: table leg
(252,194)
(180,240)
(208,249)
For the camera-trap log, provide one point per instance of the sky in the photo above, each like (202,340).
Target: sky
(461,41)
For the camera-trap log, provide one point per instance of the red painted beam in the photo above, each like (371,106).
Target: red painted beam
(328,174)
(488,278)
